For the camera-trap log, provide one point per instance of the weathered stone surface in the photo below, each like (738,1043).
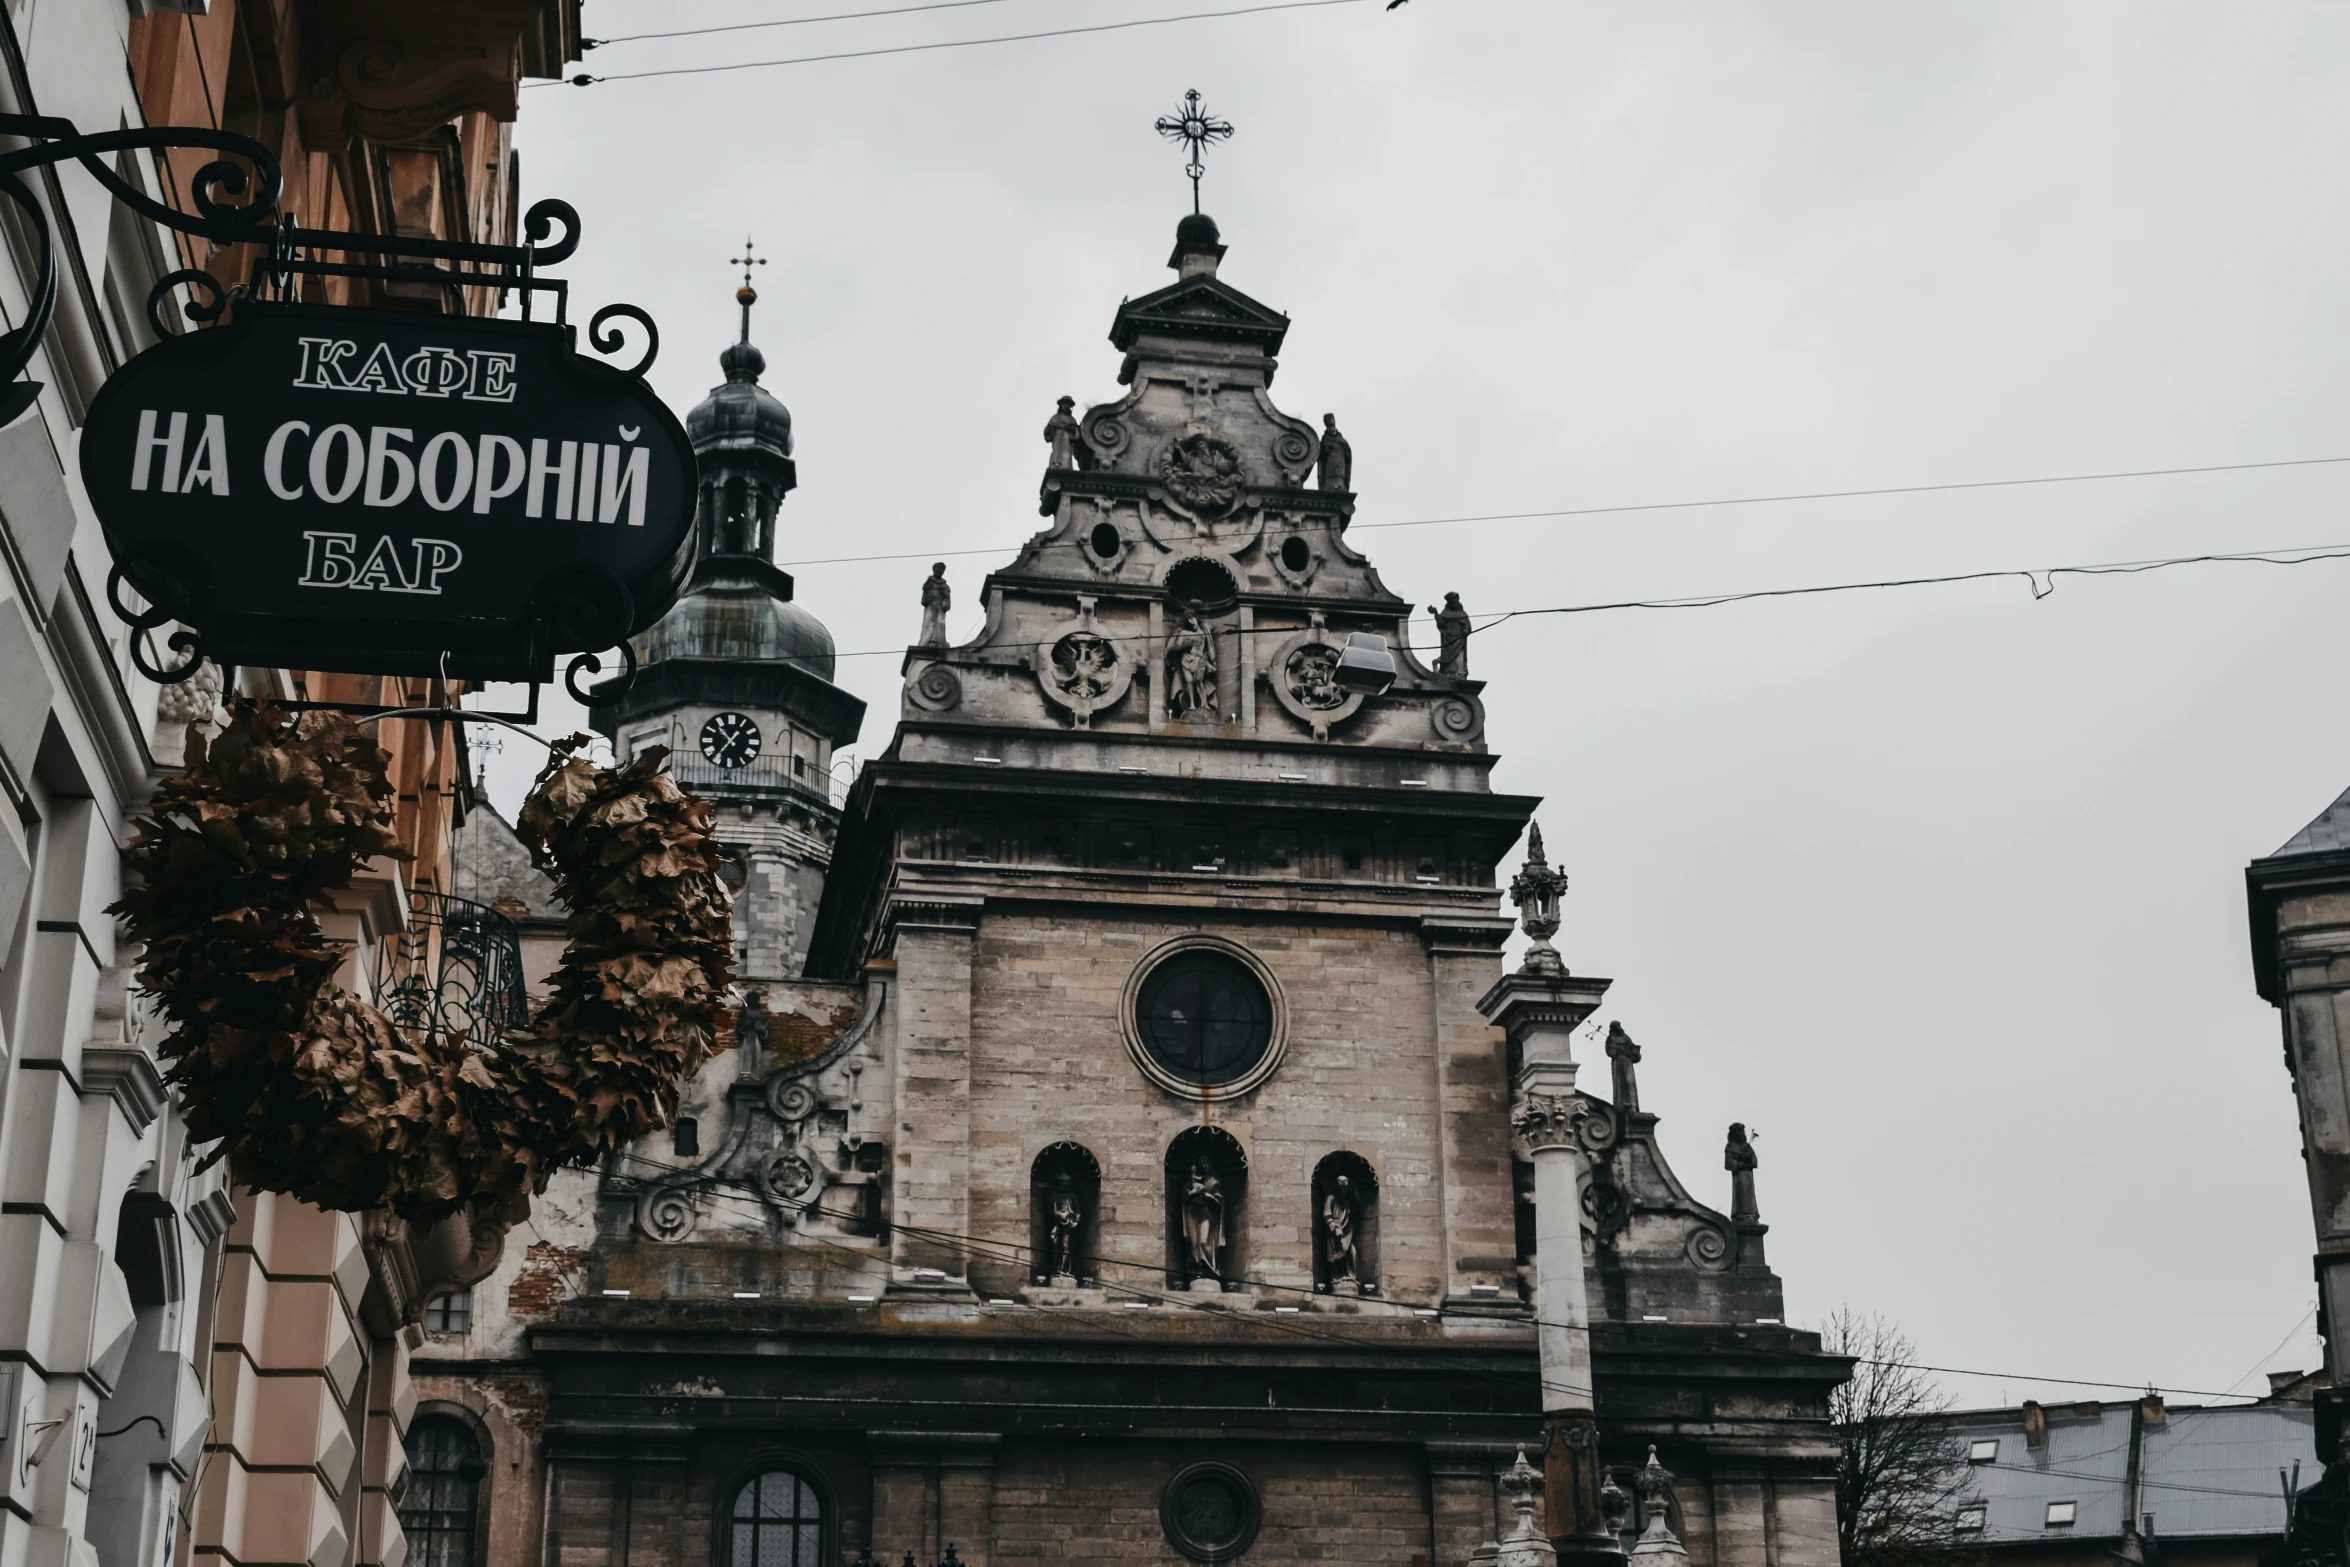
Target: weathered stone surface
(1043,829)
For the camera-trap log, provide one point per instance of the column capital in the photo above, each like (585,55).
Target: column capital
(1563,1120)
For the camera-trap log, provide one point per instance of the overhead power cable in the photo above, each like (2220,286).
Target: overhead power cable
(584,79)
(1002,1250)
(2040,579)
(1733,500)
(784,21)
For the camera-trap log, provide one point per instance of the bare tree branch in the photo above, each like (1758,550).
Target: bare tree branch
(1898,1478)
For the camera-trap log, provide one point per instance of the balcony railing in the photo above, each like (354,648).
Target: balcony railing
(457,968)
(768,775)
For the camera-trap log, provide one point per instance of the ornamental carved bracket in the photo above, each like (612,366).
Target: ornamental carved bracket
(797,1147)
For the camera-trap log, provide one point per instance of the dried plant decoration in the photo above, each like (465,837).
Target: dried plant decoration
(310,1091)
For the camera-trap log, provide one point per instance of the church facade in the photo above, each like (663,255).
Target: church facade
(1111,1161)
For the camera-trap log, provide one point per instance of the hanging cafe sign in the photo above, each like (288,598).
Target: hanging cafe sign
(374,491)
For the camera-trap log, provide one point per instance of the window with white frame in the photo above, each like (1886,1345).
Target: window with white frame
(1982,1450)
(2062,1514)
(450,1313)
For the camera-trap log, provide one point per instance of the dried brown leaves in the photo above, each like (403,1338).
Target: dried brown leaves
(318,1095)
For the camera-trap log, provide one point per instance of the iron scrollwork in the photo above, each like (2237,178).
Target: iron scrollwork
(236,199)
(239,205)
(164,605)
(593,610)
(455,969)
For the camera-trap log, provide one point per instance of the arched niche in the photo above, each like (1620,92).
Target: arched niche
(1064,1175)
(1207,1195)
(1345,1193)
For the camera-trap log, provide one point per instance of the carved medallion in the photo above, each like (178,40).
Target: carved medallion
(1202,474)
(1083,671)
(1085,666)
(1311,674)
(786,1176)
(1303,673)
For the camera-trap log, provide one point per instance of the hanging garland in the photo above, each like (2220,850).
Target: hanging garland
(314,1093)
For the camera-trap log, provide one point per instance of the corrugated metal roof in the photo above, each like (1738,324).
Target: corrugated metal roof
(2205,1472)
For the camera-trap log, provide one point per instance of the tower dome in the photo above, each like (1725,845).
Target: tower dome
(740,416)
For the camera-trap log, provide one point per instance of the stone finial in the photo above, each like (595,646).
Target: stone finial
(1535,890)
(1525,1545)
(1613,1502)
(1657,1546)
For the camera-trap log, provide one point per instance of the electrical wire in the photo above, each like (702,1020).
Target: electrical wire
(584,79)
(2041,580)
(1733,500)
(787,21)
(1000,1249)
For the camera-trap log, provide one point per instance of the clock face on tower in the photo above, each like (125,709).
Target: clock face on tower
(730,740)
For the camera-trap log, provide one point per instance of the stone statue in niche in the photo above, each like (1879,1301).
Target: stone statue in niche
(1337,467)
(1191,671)
(1065,1218)
(1338,1232)
(1063,433)
(1452,637)
(937,599)
(1738,1158)
(1203,1222)
(750,1036)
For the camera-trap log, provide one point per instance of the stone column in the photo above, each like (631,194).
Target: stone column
(1538,1009)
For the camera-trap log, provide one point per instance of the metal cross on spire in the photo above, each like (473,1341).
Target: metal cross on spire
(1197,130)
(746,296)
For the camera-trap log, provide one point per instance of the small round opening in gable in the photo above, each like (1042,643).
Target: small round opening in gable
(1202,584)
(1104,540)
(1295,555)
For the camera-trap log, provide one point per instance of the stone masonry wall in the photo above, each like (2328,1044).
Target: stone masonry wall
(1049,1062)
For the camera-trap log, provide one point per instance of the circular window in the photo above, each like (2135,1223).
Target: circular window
(1204,1018)
(1210,1512)
(1295,555)
(1105,540)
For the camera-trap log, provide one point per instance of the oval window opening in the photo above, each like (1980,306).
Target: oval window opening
(1104,540)
(1202,584)
(1295,555)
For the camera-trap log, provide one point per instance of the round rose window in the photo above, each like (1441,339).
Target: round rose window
(1204,1017)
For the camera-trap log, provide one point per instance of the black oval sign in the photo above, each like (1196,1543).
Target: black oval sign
(369,490)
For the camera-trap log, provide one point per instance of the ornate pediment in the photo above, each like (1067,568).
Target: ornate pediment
(1204,308)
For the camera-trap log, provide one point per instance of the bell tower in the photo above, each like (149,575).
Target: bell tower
(737,679)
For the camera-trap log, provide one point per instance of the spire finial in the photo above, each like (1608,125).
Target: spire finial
(746,296)
(1535,890)
(1197,130)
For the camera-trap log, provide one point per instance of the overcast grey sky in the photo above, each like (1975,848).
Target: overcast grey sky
(1940,889)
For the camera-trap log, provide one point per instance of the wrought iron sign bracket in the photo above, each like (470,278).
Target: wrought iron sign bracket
(236,202)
